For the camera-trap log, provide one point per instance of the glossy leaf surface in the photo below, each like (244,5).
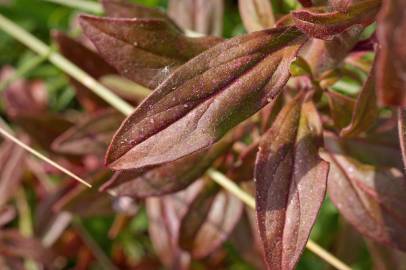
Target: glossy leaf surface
(321,23)
(209,221)
(166,178)
(143,50)
(370,197)
(92,136)
(365,111)
(290,183)
(391,59)
(90,62)
(206,97)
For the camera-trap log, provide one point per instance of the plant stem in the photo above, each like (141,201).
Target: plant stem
(88,6)
(58,60)
(64,64)
(34,152)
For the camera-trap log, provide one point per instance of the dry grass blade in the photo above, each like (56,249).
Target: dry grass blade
(9,136)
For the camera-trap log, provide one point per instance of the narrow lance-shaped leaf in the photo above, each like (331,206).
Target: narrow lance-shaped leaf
(205,98)
(322,23)
(256,14)
(366,109)
(92,136)
(164,215)
(165,178)
(90,62)
(203,16)
(323,55)
(290,183)
(143,50)
(371,198)
(13,244)
(341,108)
(7,214)
(22,96)
(220,220)
(391,59)
(126,9)
(96,203)
(11,170)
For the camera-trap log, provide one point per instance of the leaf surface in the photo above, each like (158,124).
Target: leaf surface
(202,16)
(371,198)
(12,159)
(126,9)
(209,221)
(290,183)
(322,23)
(90,62)
(366,109)
(166,178)
(92,136)
(256,14)
(391,58)
(143,50)
(205,98)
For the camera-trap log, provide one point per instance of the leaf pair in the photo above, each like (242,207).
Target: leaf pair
(290,182)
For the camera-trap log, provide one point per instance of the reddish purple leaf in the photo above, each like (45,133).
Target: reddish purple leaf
(7,214)
(391,59)
(43,128)
(256,14)
(384,258)
(372,152)
(164,215)
(290,183)
(97,204)
(322,23)
(366,109)
(209,222)
(341,108)
(90,62)
(205,98)
(166,178)
(12,158)
(323,55)
(23,97)
(91,136)
(126,9)
(371,198)
(13,244)
(143,50)
(203,16)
